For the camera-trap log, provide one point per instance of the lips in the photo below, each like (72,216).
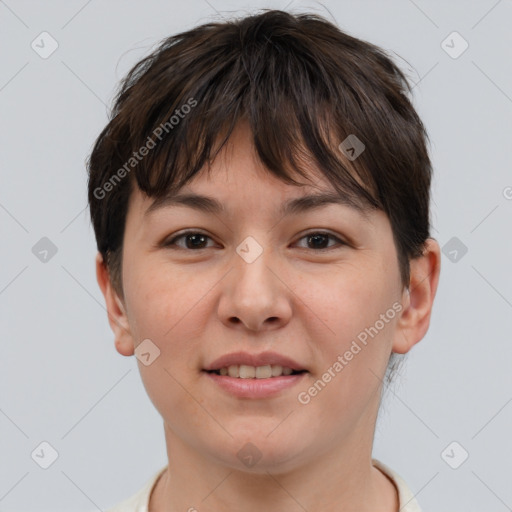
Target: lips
(262,359)
(256,389)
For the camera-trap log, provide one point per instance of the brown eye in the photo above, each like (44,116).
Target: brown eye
(193,240)
(318,240)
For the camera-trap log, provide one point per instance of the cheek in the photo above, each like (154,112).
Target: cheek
(159,298)
(357,307)
(351,300)
(170,307)
(353,359)
(162,308)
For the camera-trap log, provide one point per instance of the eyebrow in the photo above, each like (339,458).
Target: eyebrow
(294,206)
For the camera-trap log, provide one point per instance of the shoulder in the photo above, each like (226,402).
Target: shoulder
(407,501)
(139,501)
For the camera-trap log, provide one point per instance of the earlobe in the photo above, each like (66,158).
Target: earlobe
(418,298)
(116,310)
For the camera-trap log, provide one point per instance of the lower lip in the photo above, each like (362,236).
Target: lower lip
(255,388)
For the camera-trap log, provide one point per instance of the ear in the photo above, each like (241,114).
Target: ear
(417,300)
(116,310)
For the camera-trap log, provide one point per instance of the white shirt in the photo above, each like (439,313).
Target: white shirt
(139,502)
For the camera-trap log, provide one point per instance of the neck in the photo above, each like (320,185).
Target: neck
(339,480)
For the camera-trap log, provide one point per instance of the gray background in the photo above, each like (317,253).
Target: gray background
(61,379)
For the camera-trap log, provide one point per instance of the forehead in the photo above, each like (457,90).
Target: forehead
(237,177)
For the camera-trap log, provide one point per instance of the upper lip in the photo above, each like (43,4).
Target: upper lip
(263,359)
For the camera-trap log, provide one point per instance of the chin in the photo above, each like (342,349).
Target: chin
(259,452)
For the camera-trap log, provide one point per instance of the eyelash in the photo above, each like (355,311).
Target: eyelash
(172,242)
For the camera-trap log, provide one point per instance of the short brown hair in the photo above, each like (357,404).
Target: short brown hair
(304,86)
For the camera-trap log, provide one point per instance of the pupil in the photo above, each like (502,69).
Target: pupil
(196,236)
(316,238)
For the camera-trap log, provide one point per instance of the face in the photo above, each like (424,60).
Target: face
(320,286)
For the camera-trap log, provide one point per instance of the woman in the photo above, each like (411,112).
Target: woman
(260,200)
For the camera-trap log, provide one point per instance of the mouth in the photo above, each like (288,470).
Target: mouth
(251,372)
(263,382)
(257,376)
(246,365)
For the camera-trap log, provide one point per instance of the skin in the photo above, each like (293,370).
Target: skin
(296,299)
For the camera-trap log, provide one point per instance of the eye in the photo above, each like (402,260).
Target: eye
(317,240)
(196,240)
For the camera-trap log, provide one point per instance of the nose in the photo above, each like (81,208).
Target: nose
(255,295)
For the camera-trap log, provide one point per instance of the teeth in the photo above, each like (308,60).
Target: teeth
(260,372)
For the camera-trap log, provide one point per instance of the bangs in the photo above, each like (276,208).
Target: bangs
(298,112)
